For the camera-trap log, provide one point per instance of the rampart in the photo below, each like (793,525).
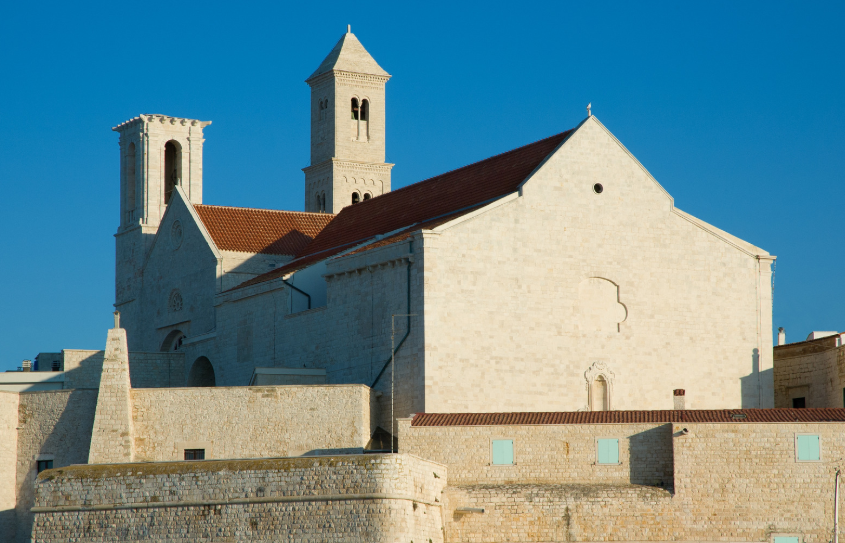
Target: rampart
(373,498)
(146,370)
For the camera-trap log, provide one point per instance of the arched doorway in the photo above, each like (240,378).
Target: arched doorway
(201,374)
(172,342)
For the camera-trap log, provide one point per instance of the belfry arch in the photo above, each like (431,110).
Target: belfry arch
(172,168)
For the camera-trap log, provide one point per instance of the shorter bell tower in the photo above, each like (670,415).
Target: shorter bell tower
(157,153)
(347,129)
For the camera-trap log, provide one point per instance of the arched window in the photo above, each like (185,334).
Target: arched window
(201,374)
(356,197)
(317,202)
(598,396)
(323,202)
(354,109)
(365,110)
(130,183)
(173,341)
(172,168)
(367,196)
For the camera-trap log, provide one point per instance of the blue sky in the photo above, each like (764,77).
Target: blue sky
(735,108)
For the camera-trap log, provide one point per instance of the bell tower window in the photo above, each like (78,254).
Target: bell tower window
(130,184)
(356,197)
(172,168)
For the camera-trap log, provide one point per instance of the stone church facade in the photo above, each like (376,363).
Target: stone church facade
(535,347)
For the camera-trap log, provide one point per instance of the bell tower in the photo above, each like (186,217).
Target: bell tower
(347,129)
(157,153)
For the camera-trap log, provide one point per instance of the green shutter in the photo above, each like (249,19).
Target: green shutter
(608,451)
(787,539)
(808,448)
(503,452)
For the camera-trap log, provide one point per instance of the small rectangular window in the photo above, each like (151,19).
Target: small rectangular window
(44,464)
(194,454)
(786,539)
(502,452)
(799,403)
(807,448)
(608,451)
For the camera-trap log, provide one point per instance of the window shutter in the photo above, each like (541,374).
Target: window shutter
(781,539)
(608,451)
(808,448)
(503,452)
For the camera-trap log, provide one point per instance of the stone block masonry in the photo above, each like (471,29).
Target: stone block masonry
(112,436)
(373,498)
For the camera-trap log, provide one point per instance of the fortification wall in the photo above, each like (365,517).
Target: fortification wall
(8,459)
(146,370)
(814,370)
(250,422)
(559,454)
(732,482)
(374,498)
(54,425)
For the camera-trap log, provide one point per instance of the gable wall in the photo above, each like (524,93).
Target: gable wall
(513,320)
(189,267)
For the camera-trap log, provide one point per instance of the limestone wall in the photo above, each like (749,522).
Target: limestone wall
(553,454)
(521,301)
(250,422)
(814,370)
(378,498)
(8,460)
(53,425)
(732,482)
(146,369)
(350,338)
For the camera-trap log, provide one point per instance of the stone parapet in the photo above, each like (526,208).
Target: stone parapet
(360,497)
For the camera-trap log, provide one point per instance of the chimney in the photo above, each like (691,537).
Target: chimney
(679,394)
(26,365)
(781,336)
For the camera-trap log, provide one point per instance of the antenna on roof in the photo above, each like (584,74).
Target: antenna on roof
(589,113)
(349,29)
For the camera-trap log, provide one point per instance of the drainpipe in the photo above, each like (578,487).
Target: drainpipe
(300,291)
(407,330)
(836,509)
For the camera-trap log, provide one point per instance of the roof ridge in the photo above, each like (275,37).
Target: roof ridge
(471,164)
(267,210)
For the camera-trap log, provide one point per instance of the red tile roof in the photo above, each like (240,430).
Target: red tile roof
(622,417)
(422,204)
(265,231)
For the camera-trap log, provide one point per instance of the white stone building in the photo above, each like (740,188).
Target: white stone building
(557,276)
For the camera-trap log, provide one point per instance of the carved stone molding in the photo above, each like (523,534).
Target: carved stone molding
(599,368)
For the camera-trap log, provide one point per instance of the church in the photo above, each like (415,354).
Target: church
(535,347)
(557,276)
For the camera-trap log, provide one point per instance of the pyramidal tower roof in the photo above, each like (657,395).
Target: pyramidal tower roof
(348,55)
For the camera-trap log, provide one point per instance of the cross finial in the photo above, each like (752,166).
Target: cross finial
(589,113)
(349,29)
(117,319)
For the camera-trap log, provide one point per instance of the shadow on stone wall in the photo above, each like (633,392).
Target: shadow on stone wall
(7,524)
(752,384)
(651,460)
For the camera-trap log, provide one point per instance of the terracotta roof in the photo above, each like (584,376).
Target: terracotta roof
(425,204)
(265,231)
(622,417)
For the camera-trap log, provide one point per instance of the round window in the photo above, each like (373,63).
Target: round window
(598,188)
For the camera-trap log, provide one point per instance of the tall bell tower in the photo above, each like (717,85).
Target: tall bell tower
(347,129)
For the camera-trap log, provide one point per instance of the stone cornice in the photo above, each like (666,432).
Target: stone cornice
(348,76)
(163,119)
(384,167)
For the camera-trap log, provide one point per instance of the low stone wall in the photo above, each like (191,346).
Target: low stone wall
(251,422)
(373,498)
(553,454)
(146,370)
